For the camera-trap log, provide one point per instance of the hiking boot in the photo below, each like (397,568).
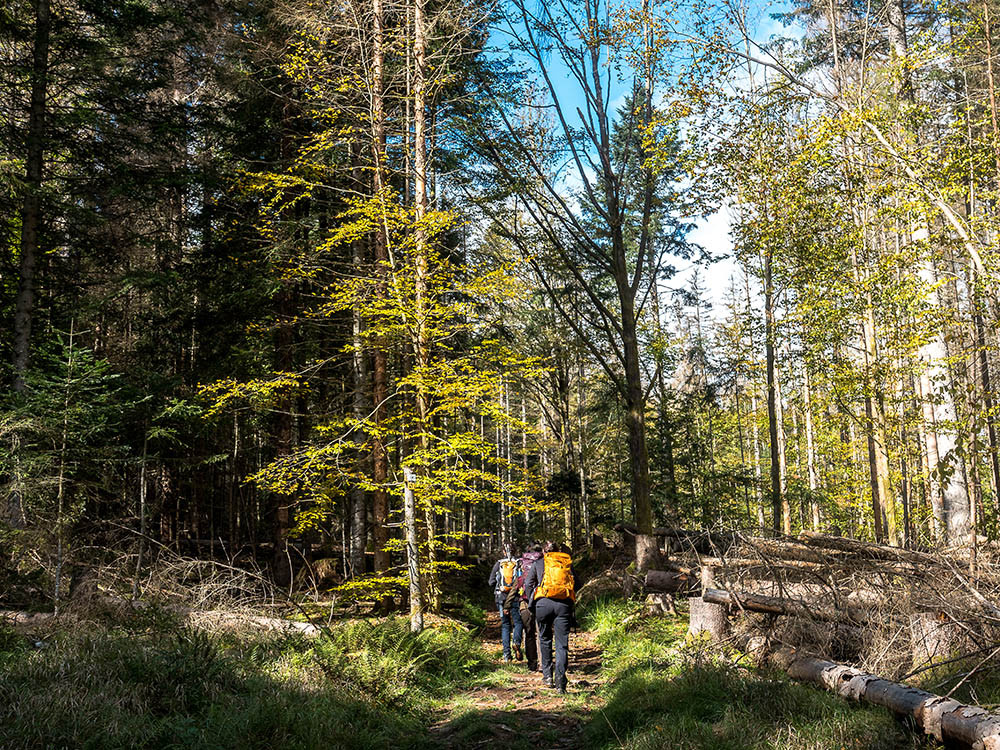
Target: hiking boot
(517,652)
(561,690)
(548,682)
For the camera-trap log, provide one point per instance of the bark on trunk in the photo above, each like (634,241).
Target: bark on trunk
(380,380)
(774,605)
(944,719)
(31,208)
(781,519)
(422,341)
(810,451)
(412,553)
(706,616)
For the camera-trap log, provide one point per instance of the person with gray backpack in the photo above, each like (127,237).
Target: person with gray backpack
(503,579)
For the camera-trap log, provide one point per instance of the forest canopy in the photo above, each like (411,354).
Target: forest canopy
(270,270)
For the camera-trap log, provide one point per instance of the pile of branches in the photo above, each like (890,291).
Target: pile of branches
(888,610)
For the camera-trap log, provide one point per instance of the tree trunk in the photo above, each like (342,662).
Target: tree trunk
(987,392)
(810,449)
(781,520)
(945,461)
(897,42)
(944,719)
(421,339)
(31,209)
(412,552)
(359,378)
(705,616)
(380,380)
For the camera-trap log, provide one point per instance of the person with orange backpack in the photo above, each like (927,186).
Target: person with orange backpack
(504,579)
(550,587)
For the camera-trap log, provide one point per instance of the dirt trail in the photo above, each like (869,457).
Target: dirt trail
(518,711)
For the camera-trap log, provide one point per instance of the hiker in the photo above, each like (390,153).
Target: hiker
(549,586)
(503,579)
(531,555)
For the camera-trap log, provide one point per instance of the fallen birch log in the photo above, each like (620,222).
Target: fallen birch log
(943,718)
(236,619)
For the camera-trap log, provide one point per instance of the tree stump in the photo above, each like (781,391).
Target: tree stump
(931,637)
(705,616)
(647,552)
(660,604)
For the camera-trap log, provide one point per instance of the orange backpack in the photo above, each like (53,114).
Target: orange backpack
(507,575)
(557,583)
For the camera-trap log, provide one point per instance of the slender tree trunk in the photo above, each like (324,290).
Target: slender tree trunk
(988,35)
(422,342)
(359,377)
(412,552)
(31,209)
(987,394)
(380,379)
(754,424)
(897,42)
(781,519)
(810,449)
(61,523)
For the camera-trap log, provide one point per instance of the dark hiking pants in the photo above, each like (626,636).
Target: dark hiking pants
(530,637)
(509,618)
(554,617)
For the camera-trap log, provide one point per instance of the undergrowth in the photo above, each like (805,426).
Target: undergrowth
(665,691)
(367,685)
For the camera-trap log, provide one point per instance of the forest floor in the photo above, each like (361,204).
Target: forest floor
(518,711)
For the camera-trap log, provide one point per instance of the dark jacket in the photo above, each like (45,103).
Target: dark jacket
(535,577)
(527,562)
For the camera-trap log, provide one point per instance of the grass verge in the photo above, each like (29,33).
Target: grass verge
(367,685)
(668,692)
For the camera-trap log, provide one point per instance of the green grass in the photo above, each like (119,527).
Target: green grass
(100,686)
(666,692)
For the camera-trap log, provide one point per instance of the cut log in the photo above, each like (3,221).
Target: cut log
(866,550)
(946,720)
(669,581)
(657,605)
(706,616)
(773,549)
(237,620)
(773,605)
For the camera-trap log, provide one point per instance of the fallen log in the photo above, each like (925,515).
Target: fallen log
(773,605)
(755,567)
(669,581)
(237,619)
(866,550)
(943,718)
(773,549)
(699,540)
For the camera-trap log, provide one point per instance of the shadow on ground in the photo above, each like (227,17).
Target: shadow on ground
(510,729)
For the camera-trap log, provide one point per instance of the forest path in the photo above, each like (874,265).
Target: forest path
(514,710)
